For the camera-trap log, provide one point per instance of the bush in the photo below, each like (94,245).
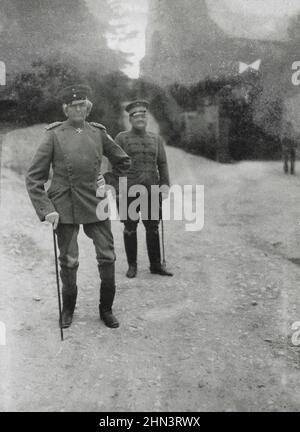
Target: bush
(246,139)
(36,93)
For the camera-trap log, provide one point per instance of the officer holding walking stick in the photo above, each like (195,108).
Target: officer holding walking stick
(74,149)
(149,168)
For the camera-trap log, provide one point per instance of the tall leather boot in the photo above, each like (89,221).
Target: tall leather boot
(285,164)
(69,294)
(107,294)
(153,248)
(292,165)
(130,242)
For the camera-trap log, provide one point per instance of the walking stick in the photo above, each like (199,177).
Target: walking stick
(58,287)
(164,264)
(162,236)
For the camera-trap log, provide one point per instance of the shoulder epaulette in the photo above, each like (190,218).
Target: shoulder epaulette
(123,134)
(53,125)
(98,125)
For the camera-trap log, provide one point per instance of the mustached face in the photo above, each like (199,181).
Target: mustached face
(139,120)
(76,112)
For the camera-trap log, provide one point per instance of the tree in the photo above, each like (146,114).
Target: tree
(65,29)
(36,93)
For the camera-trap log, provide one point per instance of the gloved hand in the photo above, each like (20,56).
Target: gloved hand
(53,219)
(100,193)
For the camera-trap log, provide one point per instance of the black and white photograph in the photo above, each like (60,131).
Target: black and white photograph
(149,208)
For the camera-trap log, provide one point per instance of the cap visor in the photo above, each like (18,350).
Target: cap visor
(77,102)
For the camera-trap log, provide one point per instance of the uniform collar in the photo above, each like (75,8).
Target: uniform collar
(138,132)
(67,124)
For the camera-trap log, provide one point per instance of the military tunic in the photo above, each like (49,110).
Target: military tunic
(76,156)
(148,158)
(149,167)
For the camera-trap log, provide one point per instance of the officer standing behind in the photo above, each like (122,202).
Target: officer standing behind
(74,149)
(289,147)
(149,167)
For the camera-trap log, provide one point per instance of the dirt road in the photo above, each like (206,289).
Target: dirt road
(215,337)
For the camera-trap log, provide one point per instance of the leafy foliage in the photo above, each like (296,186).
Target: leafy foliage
(36,93)
(246,138)
(66,30)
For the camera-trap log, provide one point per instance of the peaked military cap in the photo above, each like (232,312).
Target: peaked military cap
(76,92)
(137,106)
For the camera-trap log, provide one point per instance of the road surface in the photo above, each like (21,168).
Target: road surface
(215,337)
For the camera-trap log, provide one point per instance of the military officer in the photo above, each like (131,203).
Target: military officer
(289,146)
(149,167)
(74,149)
